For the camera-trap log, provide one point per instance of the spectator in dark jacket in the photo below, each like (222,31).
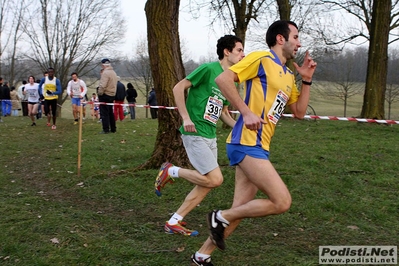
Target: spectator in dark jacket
(152,101)
(1,96)
(119,100)
(131,95)
(6,102)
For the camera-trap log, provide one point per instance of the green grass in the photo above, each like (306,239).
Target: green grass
(342,175)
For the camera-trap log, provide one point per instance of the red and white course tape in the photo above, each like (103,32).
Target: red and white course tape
(363,120)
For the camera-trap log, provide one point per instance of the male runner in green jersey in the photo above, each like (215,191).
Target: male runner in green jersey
(204,106)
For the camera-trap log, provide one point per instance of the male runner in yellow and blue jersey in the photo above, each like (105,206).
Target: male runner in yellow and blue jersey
(49,89)
(269,88)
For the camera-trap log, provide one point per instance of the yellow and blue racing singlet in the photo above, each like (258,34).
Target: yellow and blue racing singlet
(269,87)
(51,86)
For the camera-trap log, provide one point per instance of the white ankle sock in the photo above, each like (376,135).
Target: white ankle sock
(221,218)
(175,219)
(173,171)
(201,257)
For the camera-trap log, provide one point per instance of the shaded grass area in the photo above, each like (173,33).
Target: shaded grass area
(343,177)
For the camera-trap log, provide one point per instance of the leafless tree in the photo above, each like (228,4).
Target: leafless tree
(341,72)
(234,15)
(344,90)
(255,16)
(392,90)
(4,36)
(18,10)
(391,96)
(139,68)
(377,21)
(13,65)
(360,26)
(70,35)
(377,67)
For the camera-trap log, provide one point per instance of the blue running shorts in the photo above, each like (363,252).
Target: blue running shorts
(76,101)
(236,153)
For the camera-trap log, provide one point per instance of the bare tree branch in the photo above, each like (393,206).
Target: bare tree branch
(71,35)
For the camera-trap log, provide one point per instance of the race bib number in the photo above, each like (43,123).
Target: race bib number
(32,93)
(213,110)
(278,107)
(77,90)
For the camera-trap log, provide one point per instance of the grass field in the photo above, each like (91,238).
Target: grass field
(343,177)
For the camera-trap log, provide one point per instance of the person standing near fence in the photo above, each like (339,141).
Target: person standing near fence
(131,95)
(94,107)
(15,102)
(119,100)
(23,98)
(6,104)
(152,101)
(1,98)
(106,95)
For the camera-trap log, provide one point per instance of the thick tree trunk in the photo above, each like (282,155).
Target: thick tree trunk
(374,94)
(284,9)
(241,19)
(240,30)
(167,69)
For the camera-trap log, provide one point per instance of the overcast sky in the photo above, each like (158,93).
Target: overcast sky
(197,38)
(200,41)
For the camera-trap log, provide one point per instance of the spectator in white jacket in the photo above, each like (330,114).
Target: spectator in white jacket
(23,98)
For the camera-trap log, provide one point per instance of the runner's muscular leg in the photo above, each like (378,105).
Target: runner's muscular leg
(262,174)
(34,109)
(210,180)
(196,195)
(204,184)
(75,111)
(244,192)
(47,110)
(30,112)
